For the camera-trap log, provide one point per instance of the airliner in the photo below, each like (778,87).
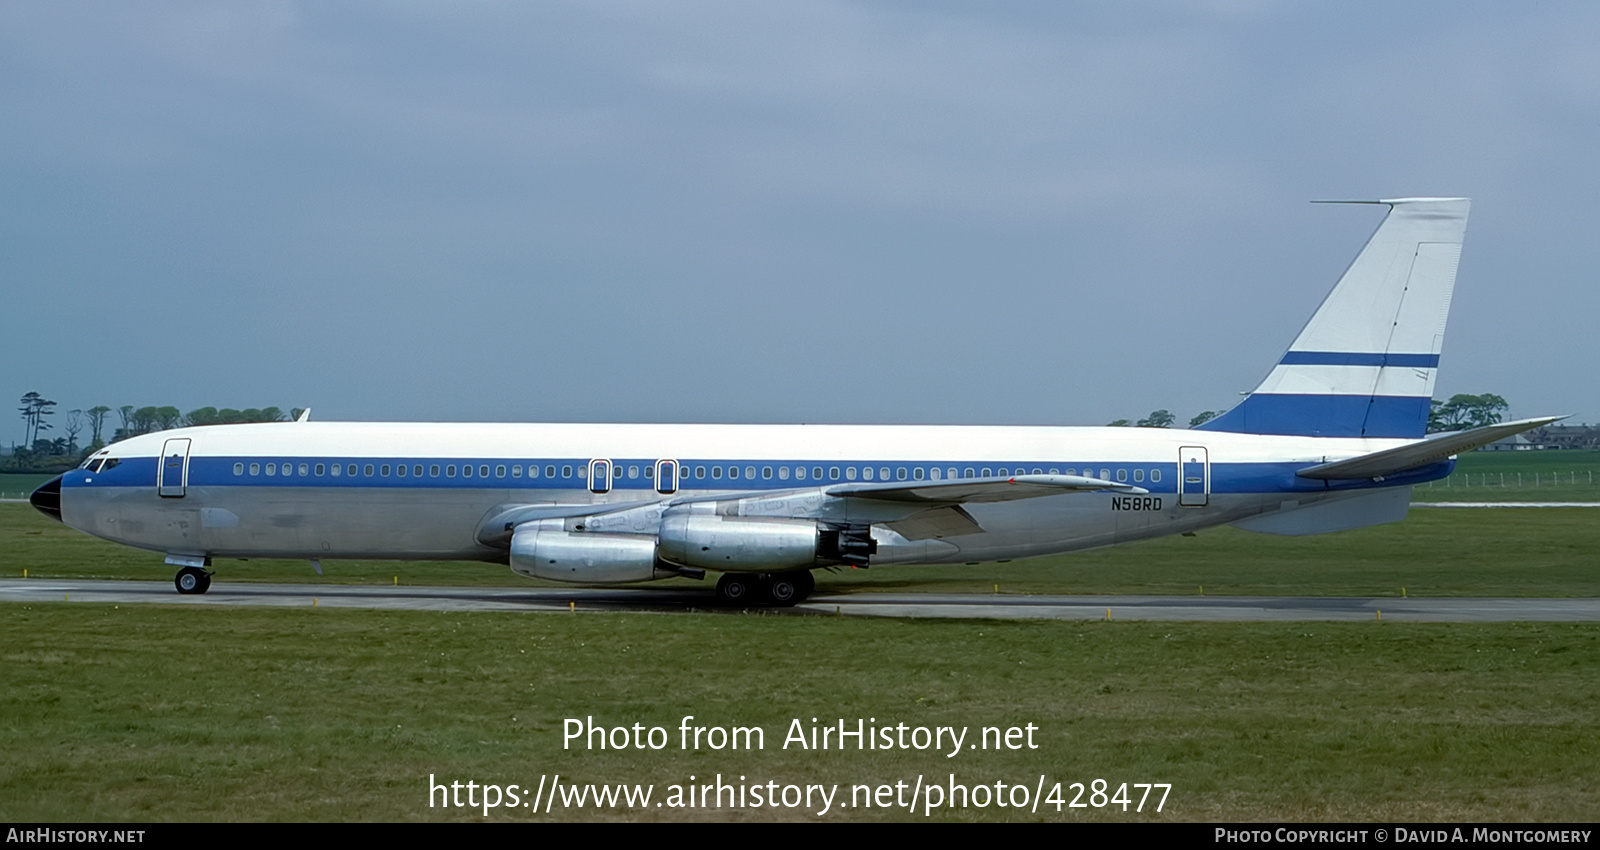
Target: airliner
(1332,439)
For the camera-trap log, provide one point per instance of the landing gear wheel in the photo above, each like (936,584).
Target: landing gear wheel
(784,589)
(735,588)
(192,580)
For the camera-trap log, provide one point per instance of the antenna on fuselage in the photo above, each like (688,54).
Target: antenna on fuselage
(305,415)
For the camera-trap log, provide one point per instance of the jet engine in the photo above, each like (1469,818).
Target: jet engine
(546,549)
(760,544)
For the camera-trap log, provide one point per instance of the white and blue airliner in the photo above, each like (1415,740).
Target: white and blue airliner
(1332,439)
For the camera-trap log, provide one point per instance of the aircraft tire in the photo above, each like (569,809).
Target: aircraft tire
(192,580)
(736,588)
(788,589)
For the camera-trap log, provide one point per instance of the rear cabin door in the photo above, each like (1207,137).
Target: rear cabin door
(172,472)
(1194,477)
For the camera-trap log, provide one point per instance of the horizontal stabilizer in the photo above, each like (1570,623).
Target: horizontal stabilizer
(1421,453)
(967,490)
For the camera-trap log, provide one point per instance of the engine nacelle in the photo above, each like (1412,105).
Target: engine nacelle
(759,544)
(546,549)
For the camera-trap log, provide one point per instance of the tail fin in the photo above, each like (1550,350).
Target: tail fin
(1365,364)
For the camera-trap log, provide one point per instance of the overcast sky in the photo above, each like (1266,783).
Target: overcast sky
(771,212)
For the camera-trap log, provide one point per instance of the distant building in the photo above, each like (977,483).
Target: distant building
(1582,436)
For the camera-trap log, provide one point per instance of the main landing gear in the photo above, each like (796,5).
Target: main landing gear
(781,589)
(191,580)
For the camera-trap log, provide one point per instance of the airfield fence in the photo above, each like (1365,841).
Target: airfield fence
(1510,480)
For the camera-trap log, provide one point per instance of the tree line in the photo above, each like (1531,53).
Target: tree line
(1462,412)
(104,425)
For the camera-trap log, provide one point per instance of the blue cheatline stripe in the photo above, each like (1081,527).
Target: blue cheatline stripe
(1268,477)
(1355,358)
(1326,416)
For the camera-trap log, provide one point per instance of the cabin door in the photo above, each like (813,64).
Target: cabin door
(172,472)
(1194,477)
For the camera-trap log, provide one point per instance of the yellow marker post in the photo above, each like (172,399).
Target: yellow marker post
(396,581)
(1380,615)
(313,601)
(1402,593)
(66,597)
(1108,615)
(572,606)
(24,572)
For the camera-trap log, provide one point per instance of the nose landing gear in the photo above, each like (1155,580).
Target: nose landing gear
(192,580)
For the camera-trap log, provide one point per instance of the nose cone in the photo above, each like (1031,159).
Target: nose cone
(48,498)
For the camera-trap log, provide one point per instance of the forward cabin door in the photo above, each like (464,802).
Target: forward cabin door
(172,470)
(1194,477)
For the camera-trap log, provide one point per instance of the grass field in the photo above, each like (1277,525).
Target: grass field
(146,712)
(1435,552)
(155,713)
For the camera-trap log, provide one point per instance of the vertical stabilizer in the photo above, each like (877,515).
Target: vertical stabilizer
(1365,364)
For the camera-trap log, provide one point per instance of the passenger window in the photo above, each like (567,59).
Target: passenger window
(816,473)
(1155,475)
(699,472)
(883,473)
(385,470)
(401,469)
(1138,475)
(900,474)
(350,470)
(1122,475)
(500,471)
(433,470)
(783,473)
(368,470)
(969,473)
(483,471)
(337,470)
(849,473)
(916,472)
(716,472)
(766,472)
(566,471)
(238,469)
(322,469)
(450,471)
(416,471)
(650,472)
(733,472)
(1105,475)
(988,474)
(272,469)
(516,471)
(866,473)
(750,472)
(255,469)
(633,472)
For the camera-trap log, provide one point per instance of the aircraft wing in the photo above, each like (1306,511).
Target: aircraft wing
(1421,453)
(967,490)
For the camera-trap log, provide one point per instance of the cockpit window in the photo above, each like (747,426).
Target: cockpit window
(110,464)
